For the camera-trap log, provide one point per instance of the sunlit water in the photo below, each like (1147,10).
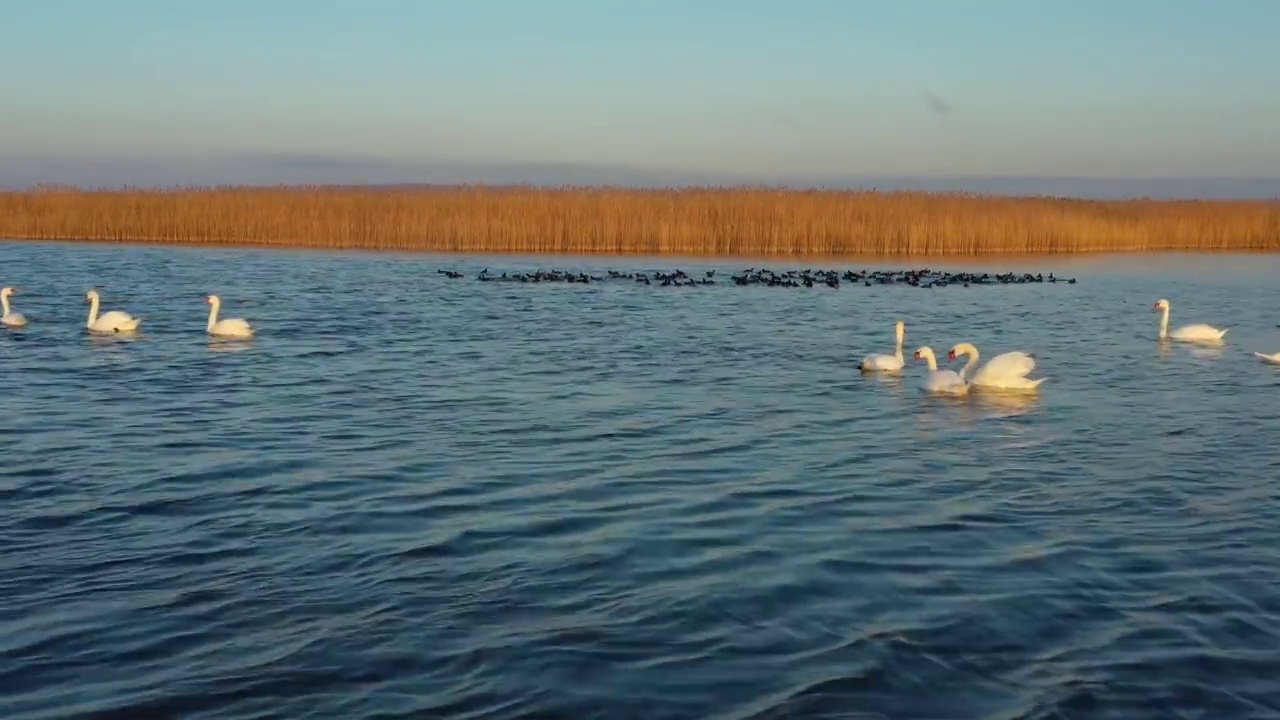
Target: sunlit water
(412,496)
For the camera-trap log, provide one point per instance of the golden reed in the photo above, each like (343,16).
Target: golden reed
(734,221)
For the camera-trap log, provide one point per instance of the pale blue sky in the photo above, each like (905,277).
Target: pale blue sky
(1103,88)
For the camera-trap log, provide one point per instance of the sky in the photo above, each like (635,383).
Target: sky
(158,91)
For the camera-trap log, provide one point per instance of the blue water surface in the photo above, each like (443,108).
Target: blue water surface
(413,496)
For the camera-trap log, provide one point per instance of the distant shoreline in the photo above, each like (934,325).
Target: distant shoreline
(694,222)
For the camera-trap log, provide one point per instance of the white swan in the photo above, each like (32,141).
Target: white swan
(10,318)
(1006,371)
(231,327)
(1187,333)
(941,381)
(1272,358)
(115,321)
(887,363)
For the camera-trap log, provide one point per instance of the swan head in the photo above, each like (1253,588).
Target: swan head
(91,295)
(900,328)
(922,353)
(1161,304)
(6,292)
(212,300)
(961,349)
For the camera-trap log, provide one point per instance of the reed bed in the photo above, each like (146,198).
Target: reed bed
(716,221)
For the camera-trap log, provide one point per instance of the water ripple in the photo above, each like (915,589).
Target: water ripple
(473,500)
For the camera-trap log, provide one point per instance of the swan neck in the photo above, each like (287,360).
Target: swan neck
(93,310)
(972,352)
(213,315)
(4,304)
(1164,321)
(932,362)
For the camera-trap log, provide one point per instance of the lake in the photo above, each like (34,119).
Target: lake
(415,496)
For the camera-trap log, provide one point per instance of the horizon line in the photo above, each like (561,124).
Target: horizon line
(670,188)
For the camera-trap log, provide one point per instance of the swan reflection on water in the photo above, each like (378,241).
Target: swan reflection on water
(966,411)
(941,411)
(1204,349)
(114,339)
(1007,403)
(1215,352)
(227,344)
(891,380)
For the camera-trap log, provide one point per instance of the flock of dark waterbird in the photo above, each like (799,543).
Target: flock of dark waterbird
(921,278)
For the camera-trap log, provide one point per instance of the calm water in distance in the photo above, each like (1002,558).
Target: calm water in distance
(412,496)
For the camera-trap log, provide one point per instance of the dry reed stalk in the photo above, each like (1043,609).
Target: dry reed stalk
(734,221)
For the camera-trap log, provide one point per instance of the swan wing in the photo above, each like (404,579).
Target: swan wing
(945,381)
(116,321)
(1007,365)
(871,362)
(113,318)
(881,362)
(1199,331)
(232,326)
(1274,357)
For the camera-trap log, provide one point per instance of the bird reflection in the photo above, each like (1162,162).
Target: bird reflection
(112,340)
(1007,402)
(221,344)
(1208,352)
(940,412)
(891,380)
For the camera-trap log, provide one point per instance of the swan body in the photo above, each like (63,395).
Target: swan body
(10,318)
(1272,358)
(114,321)
(887,363)
(230,327)
(1198,332)
(948,382)
(1007,371)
